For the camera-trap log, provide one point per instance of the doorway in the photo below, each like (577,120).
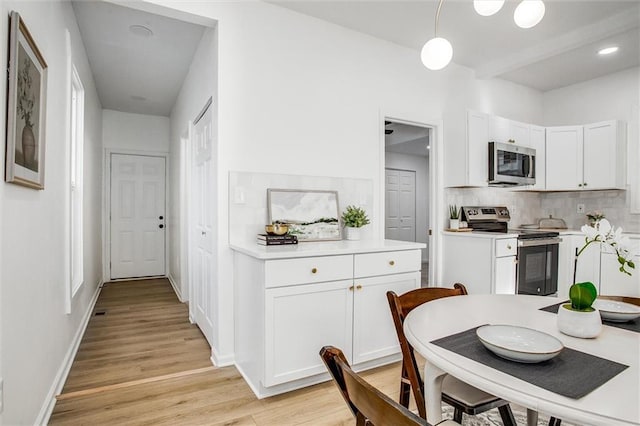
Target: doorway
(407,183)
(137,205)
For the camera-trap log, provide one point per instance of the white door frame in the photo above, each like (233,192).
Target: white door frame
(185,184)
(436,190)
(106,203)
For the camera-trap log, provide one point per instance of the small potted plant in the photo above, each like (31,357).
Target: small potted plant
(579,318)
(354,218)
(454,217)
(594,218)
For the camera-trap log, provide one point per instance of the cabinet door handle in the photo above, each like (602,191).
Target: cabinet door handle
(358,287)
(584,184)
(391,262)
(508,246)
(579,185)
(350,288)
(314,270)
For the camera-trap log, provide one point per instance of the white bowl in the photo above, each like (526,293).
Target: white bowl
(519,344)
(612,310)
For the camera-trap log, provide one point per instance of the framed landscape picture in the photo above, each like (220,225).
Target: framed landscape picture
(26,108)
(311,215)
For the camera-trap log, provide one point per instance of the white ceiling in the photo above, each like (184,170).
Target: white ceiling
(136,73)
(407,139)
(559,51)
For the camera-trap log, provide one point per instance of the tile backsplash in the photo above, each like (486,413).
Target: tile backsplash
(524,206)
(614,205)
(529,207)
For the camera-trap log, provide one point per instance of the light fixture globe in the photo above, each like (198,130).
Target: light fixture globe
(529,13)
(436,53)
(487,7)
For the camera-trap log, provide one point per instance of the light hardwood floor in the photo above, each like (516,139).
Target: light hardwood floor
(143,363)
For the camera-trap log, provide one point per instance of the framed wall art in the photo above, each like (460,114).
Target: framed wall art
(26,108)
(311,215)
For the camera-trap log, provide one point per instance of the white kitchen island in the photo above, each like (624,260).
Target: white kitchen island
(290,301)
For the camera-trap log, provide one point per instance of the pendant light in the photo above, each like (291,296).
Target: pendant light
(437,52)
(529,13)
(487,7)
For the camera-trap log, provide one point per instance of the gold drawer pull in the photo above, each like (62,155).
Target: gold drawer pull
(391,262)
(314,270)
(358,287)
(351,288)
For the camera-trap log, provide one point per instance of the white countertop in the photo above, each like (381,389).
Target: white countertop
(322,248)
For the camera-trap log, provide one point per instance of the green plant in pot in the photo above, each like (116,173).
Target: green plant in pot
(454,217)
(354,218)
(579,318)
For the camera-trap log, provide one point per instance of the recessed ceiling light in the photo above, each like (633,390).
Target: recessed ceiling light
(138,98)
(608,50)
(141,30)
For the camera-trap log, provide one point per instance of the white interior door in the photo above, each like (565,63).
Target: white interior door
(137,216)
(400,211)
(202,241)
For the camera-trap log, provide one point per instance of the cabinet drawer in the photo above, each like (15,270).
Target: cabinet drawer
(506,247)
(306,270)
(385,263)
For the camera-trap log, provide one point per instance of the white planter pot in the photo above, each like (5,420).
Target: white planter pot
(351,233)
(454,223)
(586,325)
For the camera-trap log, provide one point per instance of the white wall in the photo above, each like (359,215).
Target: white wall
(36,334)
(198,86)
(137,132)
(615,96)
(420,165)
(315,94)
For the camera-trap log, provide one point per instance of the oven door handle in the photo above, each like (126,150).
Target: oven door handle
(539,242)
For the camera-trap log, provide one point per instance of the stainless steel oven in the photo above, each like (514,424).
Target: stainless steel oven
(537,263)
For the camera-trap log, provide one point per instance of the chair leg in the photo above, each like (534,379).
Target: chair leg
(457,415)
(507,415)
(554,422)
(405,393)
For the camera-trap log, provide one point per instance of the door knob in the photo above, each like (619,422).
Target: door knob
(161,226)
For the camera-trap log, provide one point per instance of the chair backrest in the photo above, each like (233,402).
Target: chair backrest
(400,307)
(369,405)
(626,299)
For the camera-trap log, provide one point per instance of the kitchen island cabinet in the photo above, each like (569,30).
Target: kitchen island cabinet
(291,301)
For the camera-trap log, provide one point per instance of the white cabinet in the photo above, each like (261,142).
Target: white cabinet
(564,157)
(467,164)
(586,157)
(374,335)
(299,320)
(604,156)
(288,308)
(484,264)
(508,131)
(615,283)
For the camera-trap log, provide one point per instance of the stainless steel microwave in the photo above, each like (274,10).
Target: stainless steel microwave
(511,165)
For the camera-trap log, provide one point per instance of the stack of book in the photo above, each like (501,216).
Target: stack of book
(276,240)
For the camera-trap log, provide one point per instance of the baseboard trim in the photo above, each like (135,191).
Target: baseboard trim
(176,288)
(221,361)
(63,371)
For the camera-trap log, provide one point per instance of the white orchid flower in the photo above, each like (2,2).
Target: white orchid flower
(604,233)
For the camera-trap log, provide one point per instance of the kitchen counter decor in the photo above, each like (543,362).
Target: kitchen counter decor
(353,219)
(580,318)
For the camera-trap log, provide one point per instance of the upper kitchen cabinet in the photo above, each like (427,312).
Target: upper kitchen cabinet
(604,155)
(564,157)
(586,157)
(466,162)
(504,130)
(537,141)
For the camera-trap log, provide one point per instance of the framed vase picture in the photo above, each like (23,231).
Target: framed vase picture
(26,108)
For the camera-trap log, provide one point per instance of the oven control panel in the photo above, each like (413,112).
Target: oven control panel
(485,214)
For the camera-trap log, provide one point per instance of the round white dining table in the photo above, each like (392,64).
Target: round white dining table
(616,402)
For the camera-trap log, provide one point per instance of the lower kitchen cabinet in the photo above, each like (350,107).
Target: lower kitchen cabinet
(284,316)
(615,283)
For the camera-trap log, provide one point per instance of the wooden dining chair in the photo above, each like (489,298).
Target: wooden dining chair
(369,405)
(463,397)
